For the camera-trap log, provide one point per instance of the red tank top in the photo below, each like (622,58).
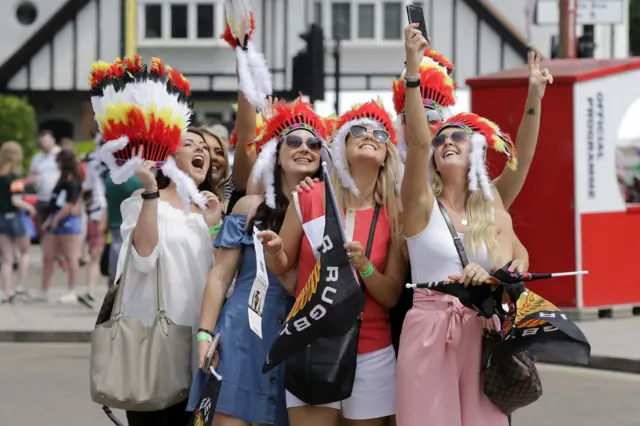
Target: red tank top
(375,331)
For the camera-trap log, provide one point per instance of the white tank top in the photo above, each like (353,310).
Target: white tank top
(433,254)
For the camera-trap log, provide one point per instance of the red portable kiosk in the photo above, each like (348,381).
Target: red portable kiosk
(571,214)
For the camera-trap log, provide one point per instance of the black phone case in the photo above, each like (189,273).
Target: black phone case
(415,14)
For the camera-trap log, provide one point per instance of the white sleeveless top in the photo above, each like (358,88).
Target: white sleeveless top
(433,253)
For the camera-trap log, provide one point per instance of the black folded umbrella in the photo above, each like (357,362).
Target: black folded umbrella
(331,300)
(532,323)
(203,414)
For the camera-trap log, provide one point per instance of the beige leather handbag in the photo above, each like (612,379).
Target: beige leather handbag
(140,368)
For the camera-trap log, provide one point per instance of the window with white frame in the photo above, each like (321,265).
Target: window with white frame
(361,20)
(181,20)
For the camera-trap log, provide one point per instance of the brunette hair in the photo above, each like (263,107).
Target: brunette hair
(272,219)
(207,184)
(69,165)
(217,186)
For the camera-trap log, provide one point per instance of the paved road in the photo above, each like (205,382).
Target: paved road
(48,385)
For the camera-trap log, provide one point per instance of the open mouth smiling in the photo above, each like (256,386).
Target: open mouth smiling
(198,162)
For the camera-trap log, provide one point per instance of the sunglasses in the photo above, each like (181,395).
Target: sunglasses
(458,136)
(433,116)
(358,131)
(294,142)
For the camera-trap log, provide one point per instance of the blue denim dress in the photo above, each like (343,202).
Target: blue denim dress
(246,393)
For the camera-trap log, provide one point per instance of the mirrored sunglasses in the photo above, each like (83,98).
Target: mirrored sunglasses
(359,131)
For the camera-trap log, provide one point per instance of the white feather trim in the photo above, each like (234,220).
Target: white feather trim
(477,146)
(246,82)
(402,141)
(185,186)
(259,70)
(338,151)
(119,174)
(126,171)
(264,170)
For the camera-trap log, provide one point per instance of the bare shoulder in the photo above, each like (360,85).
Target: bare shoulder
(503,220)
(248,204)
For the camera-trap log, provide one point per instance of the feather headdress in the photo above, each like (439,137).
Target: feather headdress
(482,133)
(147,107)
(368,113)
(438,93)
(260,123)
(286,118)
(254,78)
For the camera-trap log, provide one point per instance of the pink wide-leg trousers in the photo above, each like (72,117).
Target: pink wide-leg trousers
(438,371)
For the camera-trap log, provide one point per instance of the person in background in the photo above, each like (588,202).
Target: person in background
(220,169)
(44,173)
(115,195)
(222,133)
(96,207)
(63,227)
(12,230)
(68,143)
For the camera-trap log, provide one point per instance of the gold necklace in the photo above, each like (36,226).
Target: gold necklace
(463,220)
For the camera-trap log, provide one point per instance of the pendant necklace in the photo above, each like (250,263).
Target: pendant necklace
(463,220)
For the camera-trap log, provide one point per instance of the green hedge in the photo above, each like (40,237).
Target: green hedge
(18,122)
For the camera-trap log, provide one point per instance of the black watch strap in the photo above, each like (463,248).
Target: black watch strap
(409,83)
(152,195)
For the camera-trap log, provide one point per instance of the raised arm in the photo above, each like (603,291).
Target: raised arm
(243,160)
(416,193)
(282,250)
(510,182)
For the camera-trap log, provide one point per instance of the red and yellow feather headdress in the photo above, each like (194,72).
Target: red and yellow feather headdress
(437,88)
(286,117)
(368,113)
(482,133)
(146,107)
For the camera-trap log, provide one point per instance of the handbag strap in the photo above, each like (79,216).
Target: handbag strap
(117,305)
(454,234)
(350,222)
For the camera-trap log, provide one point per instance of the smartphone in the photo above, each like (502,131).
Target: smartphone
(212,350)
(415,14)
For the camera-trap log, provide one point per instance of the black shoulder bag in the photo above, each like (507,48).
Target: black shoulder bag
(513,382)
(324,371)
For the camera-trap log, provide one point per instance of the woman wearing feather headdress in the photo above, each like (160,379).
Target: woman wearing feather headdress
(458,192)
(289,151)
(366,178)
(143,113)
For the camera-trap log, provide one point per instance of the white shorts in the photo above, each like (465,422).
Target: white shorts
(374,388)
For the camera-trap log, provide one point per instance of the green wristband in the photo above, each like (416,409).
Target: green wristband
(214,229)
(368,272)
(202,335)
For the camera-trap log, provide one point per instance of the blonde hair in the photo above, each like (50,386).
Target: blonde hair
(11,157)
(208,133)
(385,193)
(481,229)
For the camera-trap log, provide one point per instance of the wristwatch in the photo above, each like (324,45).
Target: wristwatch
(412,81)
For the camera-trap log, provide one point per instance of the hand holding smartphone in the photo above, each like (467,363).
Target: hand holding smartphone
(415,14)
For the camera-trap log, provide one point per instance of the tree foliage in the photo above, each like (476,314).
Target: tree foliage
(18,122)
(634,27)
